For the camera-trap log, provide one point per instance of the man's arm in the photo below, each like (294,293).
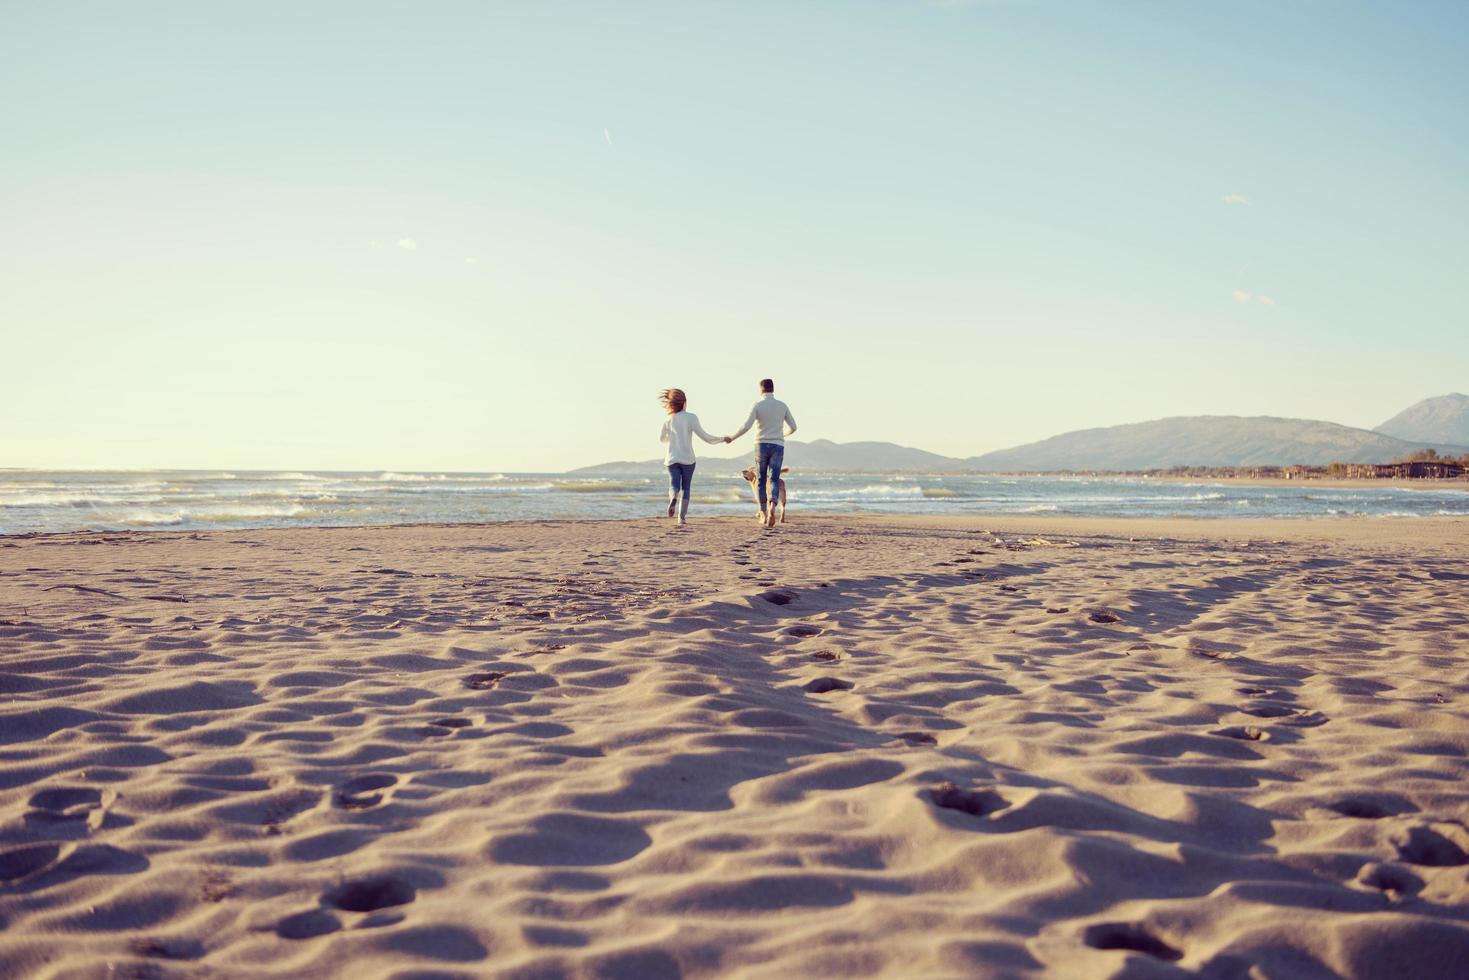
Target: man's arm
(790,421)
(746,427)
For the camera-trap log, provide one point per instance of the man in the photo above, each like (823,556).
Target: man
(770,445)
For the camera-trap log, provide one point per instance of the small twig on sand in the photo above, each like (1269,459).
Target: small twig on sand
(84,588)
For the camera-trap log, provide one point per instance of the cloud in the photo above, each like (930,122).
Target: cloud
(1265,300)
(470,260)
(1236,199)
(1240,296)
(607,135)
(407,243)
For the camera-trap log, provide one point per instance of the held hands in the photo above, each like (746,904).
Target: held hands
(728,440)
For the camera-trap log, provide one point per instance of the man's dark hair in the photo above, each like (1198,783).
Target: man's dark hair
(767,386)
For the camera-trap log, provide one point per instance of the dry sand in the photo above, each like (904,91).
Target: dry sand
(841,748)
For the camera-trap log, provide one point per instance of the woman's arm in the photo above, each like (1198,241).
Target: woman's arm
(663,436)
(699,431)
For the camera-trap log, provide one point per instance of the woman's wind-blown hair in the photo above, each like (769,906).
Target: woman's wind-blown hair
(673,400)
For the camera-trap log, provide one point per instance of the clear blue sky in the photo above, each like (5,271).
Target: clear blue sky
(480,236)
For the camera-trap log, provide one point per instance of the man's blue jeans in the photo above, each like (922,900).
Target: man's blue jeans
(770,456)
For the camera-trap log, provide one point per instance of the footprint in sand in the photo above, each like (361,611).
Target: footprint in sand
(19,862)
(66,810)
(1396,882)
(67,801)
(1360,808)
(307,925)
(830,656)
(360,792)
(821,685)
(1103,616)
(443,727)
(979,803)
(917,738)
(1267,709)
(371,894)
(1058,610)
(485,681)
(777,597)
(1128,936)
(803,631)
(1433,845)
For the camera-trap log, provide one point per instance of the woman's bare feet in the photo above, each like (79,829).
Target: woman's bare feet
(671,505)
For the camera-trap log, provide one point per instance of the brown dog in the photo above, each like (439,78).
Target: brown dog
(751,475)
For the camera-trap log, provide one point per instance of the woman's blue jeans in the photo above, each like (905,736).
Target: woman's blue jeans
(680,481)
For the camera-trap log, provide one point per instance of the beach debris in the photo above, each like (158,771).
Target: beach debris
(1245,732)
(484,681)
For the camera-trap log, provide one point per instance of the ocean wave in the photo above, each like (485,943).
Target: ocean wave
(411,477)
(161,517)
(599,486)
(885,490)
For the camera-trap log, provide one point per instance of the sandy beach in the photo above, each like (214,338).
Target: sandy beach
(847,747)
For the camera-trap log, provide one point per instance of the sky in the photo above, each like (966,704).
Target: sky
(482,236)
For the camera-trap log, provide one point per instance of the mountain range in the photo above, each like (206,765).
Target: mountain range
(1440,423)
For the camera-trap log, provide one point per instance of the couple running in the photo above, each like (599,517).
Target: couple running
(679,430)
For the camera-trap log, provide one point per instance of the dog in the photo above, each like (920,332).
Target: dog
(751,475)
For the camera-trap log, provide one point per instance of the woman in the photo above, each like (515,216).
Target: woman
(679,430)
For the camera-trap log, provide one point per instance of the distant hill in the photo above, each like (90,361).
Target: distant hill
(819,454)
(1198,440)
(1433,420)
(1203,440)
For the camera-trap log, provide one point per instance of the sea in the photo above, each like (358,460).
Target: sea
(34,501)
